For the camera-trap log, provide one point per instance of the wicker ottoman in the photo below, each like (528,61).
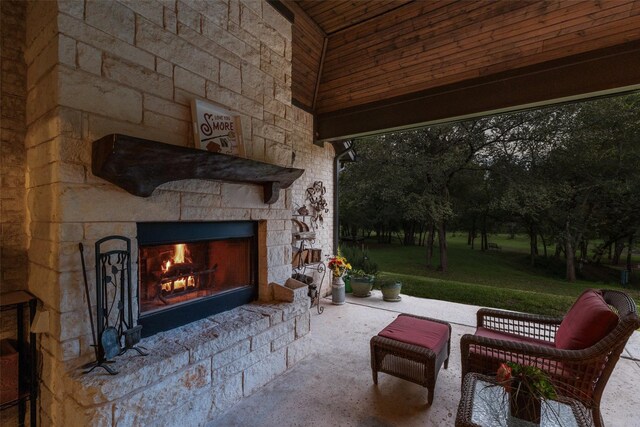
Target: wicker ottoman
(412,348)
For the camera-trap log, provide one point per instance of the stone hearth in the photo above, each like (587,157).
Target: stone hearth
(194,372)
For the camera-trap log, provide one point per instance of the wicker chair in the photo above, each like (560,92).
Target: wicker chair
(579,374)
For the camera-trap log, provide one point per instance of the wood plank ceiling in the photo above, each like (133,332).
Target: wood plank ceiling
(362,66)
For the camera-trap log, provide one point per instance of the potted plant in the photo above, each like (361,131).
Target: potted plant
(391,290)
(527,386)
(338,265)
(361,283)
(364,271)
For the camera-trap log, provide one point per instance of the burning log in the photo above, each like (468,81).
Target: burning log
(182,277)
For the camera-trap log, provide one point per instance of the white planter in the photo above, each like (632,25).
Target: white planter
(337,291)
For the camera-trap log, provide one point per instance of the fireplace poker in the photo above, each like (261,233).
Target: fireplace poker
(86,290)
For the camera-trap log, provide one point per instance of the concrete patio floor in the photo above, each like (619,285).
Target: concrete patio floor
(333,386)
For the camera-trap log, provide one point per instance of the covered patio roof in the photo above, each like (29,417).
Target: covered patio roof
(365,66)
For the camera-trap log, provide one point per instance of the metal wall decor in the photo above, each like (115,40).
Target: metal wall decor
(307,265)
(317,202)
(307,262)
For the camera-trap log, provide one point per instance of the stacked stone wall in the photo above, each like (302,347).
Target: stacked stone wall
(133,67)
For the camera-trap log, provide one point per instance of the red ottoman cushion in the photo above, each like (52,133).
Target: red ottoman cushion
(420,332)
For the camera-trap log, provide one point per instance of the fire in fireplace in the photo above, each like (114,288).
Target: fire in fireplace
(181,275)
(188,271)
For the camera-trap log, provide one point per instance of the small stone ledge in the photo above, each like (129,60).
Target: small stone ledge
(225,356)
(292,291)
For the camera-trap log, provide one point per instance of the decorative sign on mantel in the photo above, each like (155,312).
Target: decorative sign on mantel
(216,129)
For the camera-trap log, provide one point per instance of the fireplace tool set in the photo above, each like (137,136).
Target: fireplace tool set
(114,332)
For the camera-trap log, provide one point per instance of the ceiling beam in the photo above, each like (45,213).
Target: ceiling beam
(587,73)
(319,75)
(283,10)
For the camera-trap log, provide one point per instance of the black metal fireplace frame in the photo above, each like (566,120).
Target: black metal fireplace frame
(160,233)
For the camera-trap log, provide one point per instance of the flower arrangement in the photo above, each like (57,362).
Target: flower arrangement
(338,265)
(529,379)
(526,386)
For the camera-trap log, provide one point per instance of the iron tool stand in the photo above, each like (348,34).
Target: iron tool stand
(113,280)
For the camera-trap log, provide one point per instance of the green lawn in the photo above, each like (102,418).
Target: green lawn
(502,279)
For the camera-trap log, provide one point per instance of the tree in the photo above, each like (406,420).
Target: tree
(371,189)
(611,126)
(567,174)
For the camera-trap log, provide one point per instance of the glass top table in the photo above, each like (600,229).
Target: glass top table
(484,403)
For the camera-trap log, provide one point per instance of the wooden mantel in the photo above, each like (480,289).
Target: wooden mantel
(140,166)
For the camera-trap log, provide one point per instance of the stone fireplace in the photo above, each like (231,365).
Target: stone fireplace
(97,68)
(191,270)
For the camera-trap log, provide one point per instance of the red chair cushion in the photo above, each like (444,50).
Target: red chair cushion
(497,335)
(420,332)
(488,356)
(588,321)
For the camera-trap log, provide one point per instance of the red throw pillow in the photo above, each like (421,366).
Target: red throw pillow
(588,321)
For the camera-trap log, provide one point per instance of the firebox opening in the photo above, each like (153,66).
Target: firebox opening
(188,271)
